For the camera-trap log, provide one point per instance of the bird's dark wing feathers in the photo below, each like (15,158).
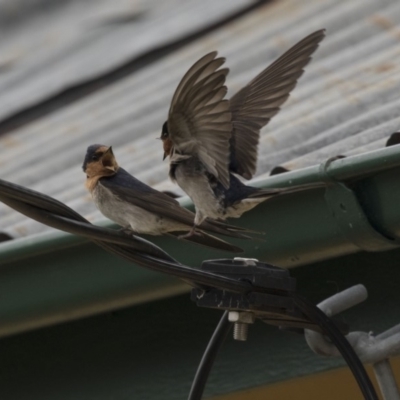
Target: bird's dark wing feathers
(130,189)
(255,104)
(199,119)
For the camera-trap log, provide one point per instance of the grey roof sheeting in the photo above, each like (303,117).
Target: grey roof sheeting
(346,103)
(70,42)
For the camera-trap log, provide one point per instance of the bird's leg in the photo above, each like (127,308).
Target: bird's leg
(192,232)
(199,218)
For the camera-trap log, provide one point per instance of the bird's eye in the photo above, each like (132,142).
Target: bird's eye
(97,156)
(164,135)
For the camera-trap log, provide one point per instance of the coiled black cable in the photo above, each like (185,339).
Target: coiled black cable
(347,352)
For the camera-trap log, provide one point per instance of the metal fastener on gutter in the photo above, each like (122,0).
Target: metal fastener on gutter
(350,216)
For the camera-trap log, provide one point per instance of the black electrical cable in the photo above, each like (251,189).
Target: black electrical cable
(86,229)
(51,212)
(347,351)
(38,199)
(316,316)
(207,361)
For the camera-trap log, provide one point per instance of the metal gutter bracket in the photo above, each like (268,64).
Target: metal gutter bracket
(350,217)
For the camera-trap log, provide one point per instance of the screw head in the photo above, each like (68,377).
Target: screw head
(242,317)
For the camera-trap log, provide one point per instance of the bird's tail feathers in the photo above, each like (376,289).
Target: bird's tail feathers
(205,239)
(225,229)
(260,193)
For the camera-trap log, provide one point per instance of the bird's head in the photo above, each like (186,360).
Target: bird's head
(99,162)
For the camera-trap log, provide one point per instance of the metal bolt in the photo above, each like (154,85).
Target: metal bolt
(242,319)
(240,331)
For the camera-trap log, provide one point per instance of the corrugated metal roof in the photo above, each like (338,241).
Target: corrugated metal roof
(69,42)
(346,102)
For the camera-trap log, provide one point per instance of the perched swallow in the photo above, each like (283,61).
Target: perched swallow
(138,208)
(209,138)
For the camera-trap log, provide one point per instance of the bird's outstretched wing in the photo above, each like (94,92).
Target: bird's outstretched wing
(255,104)
(199,119)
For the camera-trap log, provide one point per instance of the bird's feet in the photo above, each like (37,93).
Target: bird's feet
(191,233)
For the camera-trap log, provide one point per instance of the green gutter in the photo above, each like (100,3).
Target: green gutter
(54,277)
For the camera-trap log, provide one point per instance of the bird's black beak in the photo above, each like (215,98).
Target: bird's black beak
(109,151)
(164,156)
(109,160)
